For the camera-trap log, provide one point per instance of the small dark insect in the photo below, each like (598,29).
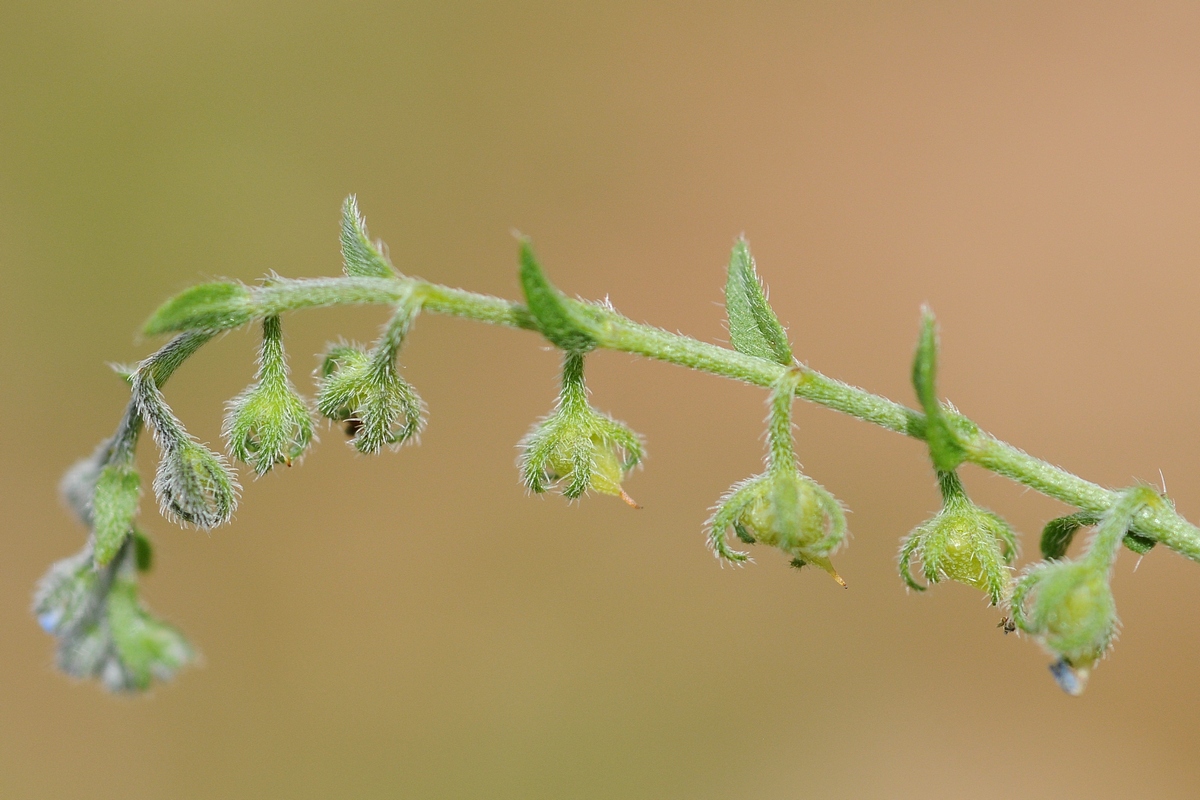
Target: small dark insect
(351,427)
(1008,625)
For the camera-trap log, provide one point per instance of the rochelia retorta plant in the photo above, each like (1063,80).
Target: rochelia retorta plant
(90,602)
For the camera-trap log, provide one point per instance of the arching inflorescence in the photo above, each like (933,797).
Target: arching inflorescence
(90,602)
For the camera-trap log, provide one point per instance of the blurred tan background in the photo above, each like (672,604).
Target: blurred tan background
(412,625)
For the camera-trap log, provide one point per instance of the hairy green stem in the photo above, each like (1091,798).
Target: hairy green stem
(573,398)
(780,442)
(616,332)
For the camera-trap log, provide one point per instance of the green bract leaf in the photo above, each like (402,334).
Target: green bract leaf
(1058,534)
(114,506)
(209,306)
(1138,543)
(963,543)
(556,320)
(362,257)
(143,551)
(753,327)
(944,449)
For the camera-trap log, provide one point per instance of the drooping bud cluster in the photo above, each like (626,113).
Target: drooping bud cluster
(269,423)
(782,507)
(576,448)
(81,600)
(89,601)
(363,391)
(193,484)
(1068,605)
(962,543)
(102,629)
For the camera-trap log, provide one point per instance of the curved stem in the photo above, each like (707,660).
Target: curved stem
(616,332)
(953,493)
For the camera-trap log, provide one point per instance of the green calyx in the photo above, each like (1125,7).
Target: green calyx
(963,543)
(364,391)
(67,594)
(784,509)
(576,448)
(146,648)
(268,423)
(376,406)
(1068,605)
(781,507)
(194,485)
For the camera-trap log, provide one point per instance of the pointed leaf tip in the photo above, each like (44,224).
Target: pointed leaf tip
(361,257)
(555,318)
(753,327)
(216,306)
(944,449)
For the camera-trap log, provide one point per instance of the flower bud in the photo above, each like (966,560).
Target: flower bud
(114,504)
(342,382)
(1069,607)
(575,447)
(146,648)
(268,423)
(578,451)
(377,406)
(962,543)
(78,485)
(102,629)
(194,485)
(782,508)
(66,595)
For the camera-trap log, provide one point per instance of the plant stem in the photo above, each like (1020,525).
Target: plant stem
(616,332)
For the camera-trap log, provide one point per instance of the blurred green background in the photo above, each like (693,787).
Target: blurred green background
(411,625)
